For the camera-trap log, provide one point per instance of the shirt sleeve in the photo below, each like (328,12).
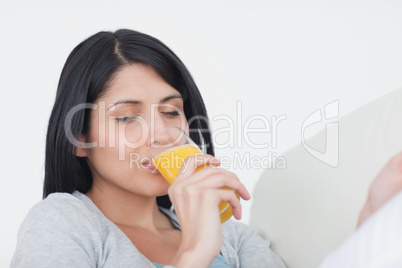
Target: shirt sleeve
(55,234)
(252,249)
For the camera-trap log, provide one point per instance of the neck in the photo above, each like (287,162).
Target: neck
(126,208)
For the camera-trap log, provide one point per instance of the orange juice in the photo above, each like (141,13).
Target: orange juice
(169,163)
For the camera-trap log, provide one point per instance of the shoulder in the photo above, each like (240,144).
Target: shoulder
(58,207)
(61,214)
(245,247)
(57,201)
(60,229)
(236,232)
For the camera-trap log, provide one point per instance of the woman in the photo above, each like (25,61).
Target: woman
(103,207)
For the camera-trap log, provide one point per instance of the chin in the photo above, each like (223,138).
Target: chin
(160,183)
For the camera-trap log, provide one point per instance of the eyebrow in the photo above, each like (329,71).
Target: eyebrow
(165,99)
(173,96)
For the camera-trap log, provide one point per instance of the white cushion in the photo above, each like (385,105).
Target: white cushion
(309,208)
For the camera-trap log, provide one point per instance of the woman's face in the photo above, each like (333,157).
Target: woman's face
(137,103)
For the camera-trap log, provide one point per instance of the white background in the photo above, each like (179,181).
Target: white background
(276,57)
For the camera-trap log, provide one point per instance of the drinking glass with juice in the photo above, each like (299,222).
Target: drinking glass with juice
(170,147)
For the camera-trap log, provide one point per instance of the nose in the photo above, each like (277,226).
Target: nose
(164,132)
(169,137)
(161,137)
(155,125)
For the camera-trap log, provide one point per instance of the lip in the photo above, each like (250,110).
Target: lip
(148,165)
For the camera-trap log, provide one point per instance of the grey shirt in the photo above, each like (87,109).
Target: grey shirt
(68,230)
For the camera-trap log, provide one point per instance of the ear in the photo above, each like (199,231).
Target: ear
(81,151)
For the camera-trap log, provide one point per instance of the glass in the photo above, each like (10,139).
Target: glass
(169,148)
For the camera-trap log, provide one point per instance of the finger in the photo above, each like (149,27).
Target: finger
(191,163)
(232,199)
(217,178)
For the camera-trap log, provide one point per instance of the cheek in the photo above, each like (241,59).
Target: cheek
(115,162)
(182,123)
(129,141)
(115,141)
(115,135)
(120,148)
(131,137)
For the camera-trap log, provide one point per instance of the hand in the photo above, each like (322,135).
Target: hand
(196,197)
(387,184)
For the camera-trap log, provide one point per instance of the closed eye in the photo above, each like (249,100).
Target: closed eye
(172,113)
(126,119)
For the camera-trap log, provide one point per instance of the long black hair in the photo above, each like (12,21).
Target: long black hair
(86,73)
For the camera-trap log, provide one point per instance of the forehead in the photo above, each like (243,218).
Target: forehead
(137,81)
